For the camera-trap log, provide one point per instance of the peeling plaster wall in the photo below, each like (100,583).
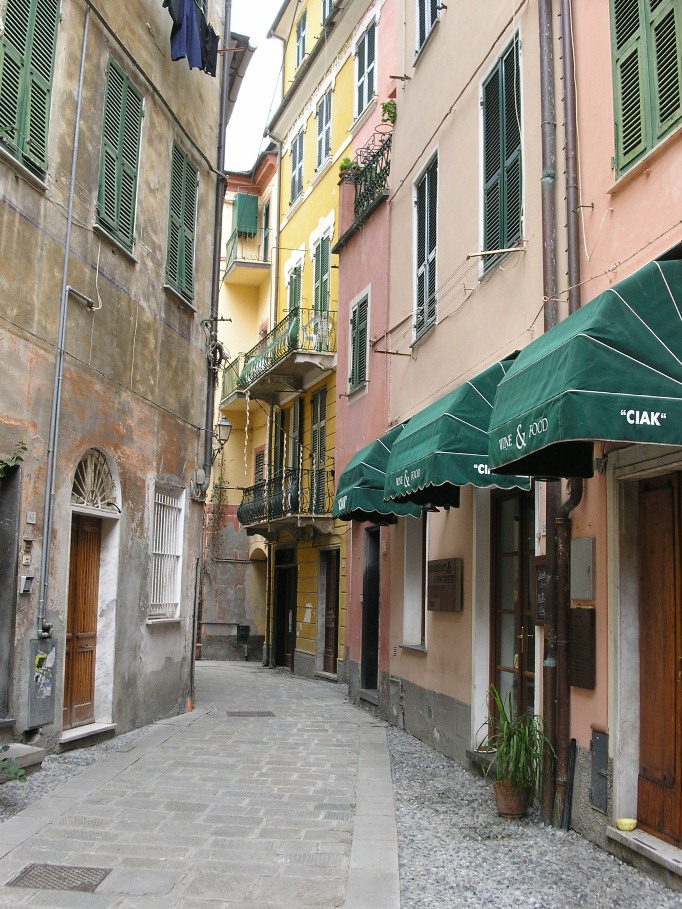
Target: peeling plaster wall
(134,380)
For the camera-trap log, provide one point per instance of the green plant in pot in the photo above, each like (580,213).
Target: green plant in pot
(520,747)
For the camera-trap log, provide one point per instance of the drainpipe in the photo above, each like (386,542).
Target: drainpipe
(44,628)
(549,286)
(217,238)
(575,486)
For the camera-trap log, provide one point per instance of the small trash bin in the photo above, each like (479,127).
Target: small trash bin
(243,634)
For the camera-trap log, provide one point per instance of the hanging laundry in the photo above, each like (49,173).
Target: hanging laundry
(209,47)
(175,8)
(185,36)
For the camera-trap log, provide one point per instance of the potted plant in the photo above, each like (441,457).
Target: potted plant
(389,111)
(520,746)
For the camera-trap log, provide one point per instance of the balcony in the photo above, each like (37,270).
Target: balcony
(290,501)
(247,258)
(298,350)
(368,174)
(230,388)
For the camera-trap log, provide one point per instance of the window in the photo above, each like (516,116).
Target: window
(318,450)
(647,74)
(427,16)
(414,605)
(322,272)
(26,67)
(259,465)
(297,167)
(164,601)
(502,155)
(358,345)
(300,39)
(181,224)
(324,128)
(427,196)
(120,156)
(266,232)
(365,60)
(326,10)
(294,289)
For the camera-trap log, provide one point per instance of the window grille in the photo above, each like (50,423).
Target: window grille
(164,601)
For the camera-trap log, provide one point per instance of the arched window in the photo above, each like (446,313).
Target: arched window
(93,484)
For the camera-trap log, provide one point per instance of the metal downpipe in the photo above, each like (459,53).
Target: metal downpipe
(44,628)
(549,288)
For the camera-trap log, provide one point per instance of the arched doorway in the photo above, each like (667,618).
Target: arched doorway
(94,508)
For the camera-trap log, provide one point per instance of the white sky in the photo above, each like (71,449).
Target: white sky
(260,92)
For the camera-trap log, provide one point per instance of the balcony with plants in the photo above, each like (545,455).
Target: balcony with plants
(300,348)
(291,499)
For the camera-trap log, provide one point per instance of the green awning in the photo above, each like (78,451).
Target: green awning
(612,371)
(445,446)
(360,493)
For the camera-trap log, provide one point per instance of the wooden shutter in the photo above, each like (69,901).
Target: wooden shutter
(295,289)
(120,155)
(320,131)
(431,240)
(512,147)
(26,69)
(300,39)
(629,80)
(181,224)
(365,65)
(318,449)
(295,432)
(502,176)
(297,166)
(247,214)
(419,321)
(266,232)
(358,367)
(278,444)
(666,59)
(259,466)
(325,250)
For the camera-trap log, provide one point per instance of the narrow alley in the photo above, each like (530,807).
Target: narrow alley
(276,792)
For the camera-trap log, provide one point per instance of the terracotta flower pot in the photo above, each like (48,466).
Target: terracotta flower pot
(510,802)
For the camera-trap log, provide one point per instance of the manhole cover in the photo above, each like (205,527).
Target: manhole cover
(250,713)
(59,877)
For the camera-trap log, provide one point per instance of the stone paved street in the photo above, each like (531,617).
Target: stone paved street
(292,806)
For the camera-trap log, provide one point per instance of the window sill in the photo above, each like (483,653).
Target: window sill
(104,234)
(423,336)
(364,116)
(415,648)
(358,391)
(419,52)
(172,292)
(323,169)
(163,621)
(21,170)
(644,164)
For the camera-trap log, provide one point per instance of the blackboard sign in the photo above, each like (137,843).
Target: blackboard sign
(540,589)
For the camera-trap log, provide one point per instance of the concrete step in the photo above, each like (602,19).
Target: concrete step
(26,756)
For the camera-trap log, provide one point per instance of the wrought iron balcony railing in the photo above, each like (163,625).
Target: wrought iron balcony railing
(301,330)
(370,170)
(231,376)
(292,493)
(241,247)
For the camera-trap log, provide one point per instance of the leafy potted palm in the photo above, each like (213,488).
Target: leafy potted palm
(520,746)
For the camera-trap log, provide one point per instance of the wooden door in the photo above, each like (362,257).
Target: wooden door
(370,612)
(81,629)
(331,609)
(513,639)
(285,607)
(660,657)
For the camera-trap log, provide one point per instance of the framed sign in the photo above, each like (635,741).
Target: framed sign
(540,589)
(445,585)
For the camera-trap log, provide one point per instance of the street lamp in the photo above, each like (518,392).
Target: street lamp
(221,433)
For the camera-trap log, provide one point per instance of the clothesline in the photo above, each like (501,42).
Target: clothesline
(192,36)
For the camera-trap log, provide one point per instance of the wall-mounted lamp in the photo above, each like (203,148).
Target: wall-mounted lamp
(221,433)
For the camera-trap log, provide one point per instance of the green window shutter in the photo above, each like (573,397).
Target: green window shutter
(278,443)
(324,294)
(427,231)
(358,366)
(26,69)
(629,81)
(247,214)
(365,65)
(666,58)
(297,166)
(318,449)
(502,175)
(182,224)
(120,155)
(294,301)
(266,232)
(317,277)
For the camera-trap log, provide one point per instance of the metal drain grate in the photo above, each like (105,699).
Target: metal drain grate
(249,713)
(59,877)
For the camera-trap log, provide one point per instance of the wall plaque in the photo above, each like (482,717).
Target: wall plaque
(540,589)
(582,647)
(444,592)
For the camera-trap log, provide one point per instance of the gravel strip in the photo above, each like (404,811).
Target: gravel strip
(455,851)
(57,769)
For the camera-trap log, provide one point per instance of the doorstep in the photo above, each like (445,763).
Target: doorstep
(27,757)
(93,731)
(649,847)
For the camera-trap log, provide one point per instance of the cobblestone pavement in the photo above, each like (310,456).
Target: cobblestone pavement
(293,810)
